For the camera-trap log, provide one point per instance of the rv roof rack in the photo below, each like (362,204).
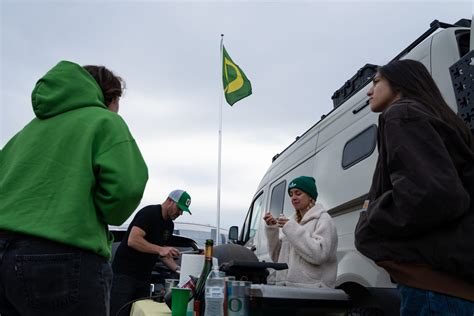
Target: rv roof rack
(365,74)
(433,27)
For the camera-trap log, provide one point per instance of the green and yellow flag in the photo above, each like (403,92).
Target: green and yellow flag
(236,84)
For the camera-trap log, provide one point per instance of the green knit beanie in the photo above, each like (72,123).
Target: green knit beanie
(305,184)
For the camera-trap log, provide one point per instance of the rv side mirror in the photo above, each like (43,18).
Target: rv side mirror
(233,234)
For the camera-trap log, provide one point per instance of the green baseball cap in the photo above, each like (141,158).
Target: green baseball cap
(182,199)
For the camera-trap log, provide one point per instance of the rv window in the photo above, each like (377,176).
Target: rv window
(255,212)
(359,147)
(277,199)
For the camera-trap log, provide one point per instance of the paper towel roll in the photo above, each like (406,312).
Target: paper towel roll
(192,265)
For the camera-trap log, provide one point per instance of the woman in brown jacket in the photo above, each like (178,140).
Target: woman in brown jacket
(419,224)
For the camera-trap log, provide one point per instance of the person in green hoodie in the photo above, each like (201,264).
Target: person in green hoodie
(67,175)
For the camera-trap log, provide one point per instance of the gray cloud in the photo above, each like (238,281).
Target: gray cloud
(296,55)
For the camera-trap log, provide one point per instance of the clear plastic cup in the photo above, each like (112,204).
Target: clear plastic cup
(281,216)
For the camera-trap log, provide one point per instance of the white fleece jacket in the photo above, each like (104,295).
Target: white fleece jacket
(309,249)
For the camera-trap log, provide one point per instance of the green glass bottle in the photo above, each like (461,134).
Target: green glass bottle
(201,283)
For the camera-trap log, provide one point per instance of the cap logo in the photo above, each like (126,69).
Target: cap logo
(188,202)
(292,185)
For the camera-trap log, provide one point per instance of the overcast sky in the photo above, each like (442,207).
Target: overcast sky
(295,53)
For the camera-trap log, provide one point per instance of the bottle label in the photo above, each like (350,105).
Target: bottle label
(214,292)
(188,283)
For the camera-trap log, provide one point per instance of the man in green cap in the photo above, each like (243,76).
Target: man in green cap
(142,245)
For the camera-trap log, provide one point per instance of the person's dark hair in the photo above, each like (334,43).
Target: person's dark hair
(412,80)
(111,85)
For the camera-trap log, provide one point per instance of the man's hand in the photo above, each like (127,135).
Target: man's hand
(168,252)
(137,241)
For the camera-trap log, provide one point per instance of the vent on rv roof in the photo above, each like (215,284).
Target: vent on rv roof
(463,23)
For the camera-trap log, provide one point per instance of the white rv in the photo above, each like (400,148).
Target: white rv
(340,152)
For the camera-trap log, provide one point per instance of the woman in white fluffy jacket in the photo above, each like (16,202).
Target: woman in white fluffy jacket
(307,241)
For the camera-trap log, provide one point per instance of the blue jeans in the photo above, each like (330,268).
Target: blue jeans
(416,302)
(126,289)
(42,277)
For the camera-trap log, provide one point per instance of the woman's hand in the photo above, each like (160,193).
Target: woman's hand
(269,220)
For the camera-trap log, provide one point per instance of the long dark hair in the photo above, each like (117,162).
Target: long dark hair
(412,80)
(111,85)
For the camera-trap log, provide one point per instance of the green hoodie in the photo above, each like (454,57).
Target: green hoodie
(74,168)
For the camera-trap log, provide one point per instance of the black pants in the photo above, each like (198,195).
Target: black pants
(124,290)
(41,277)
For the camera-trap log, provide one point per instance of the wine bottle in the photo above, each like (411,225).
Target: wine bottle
(201,283)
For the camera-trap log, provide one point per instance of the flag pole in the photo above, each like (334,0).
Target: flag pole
(218,226)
